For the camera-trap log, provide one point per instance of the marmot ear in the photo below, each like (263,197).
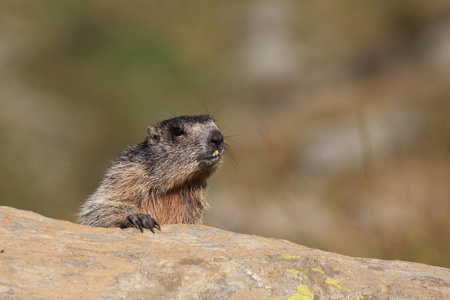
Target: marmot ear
(153,136)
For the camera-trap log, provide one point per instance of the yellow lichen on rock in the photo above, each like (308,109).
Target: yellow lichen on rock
(318,269)
(361,296)
(334,284)
(290,256)
(296,273)
(303,293)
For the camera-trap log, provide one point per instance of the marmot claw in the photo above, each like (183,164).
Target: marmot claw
(141,221)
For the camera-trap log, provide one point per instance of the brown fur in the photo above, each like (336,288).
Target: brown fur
(164,177)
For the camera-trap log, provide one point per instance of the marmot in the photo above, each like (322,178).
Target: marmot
(161,180)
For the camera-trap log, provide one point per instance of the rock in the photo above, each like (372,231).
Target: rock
(51,259)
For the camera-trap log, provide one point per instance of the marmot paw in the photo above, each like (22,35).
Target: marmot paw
(140,221)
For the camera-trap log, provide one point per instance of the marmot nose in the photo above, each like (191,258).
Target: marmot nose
(216,138)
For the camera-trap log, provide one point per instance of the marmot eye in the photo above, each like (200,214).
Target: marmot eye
(177,131)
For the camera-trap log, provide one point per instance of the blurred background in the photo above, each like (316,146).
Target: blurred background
(337,111)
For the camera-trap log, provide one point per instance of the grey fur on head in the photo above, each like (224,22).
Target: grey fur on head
(162,179)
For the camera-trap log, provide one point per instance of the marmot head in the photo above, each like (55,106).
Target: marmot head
(186,148)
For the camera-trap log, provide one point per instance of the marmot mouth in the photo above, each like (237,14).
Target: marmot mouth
(214,157)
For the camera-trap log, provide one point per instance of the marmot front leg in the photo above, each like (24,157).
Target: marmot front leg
(140,221)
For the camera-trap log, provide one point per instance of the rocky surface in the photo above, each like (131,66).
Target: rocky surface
(46,258)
